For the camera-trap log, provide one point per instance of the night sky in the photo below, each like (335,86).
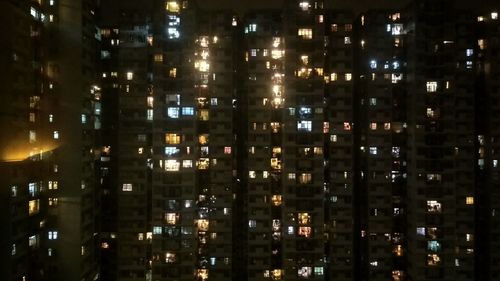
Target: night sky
(357,5)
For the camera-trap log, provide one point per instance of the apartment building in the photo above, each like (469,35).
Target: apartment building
(48,159)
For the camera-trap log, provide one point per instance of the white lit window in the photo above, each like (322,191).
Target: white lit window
(431,86)
(130,75)
(304,272)
(347,40)
(373,150)
(51,118)
(252,174)
(172,165)
(127,187)
(173,112)
(187,164)
(56,135)
(291,176)
(171,150)
(187,111)
(52,235)
(32,136)
(252,223)
(469,52)
(173,33)
(304,126)
(213,101)
(373,64)
(348,77)
(494,15)
(373,101)
(51,2)
(149,114)
(84,119)
(304,5)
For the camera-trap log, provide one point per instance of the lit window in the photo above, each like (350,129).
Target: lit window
(172,6)
(252,223)
(32,136)
(291,176)
(173,112)
(127,187)
(333,138)
(52,235)
(347,40)
(172,72)
(304,5)
(56,135)
(170,257)
(373,150)
(227,150)
(51,2)
(33,207)
(53,184)
(171,218)
(469,52)
(171,150)
(252,174)
(187,111)
(172,165)
(469,200)
(397,29)
(13,191)
(373,126)
(347,126)
(84,119)
(304,271)
(276,199)
(187,164)
(305,178)
(494,15)
(304,126)
(149,114)
(172,138)
(334,27)
(373,64)
(348,77)
(130,75)
(433,259)
(433,246)
(305,33)
(158,58)
(318,271)
(431,86)
(252,27)
(433,206)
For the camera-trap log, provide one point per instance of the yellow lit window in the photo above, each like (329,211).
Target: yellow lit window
(171,218)
(469,200)
(202,225)
(203,163)
(203,139)
(348,76)
(304,218)
(203,114)
(172,138)
(305,33)
(158,58)
(172,72)
(305,178)
(333,76)
(276,199)
(33,207)
(172,6)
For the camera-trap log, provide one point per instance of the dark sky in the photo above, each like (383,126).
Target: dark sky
(357,5)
